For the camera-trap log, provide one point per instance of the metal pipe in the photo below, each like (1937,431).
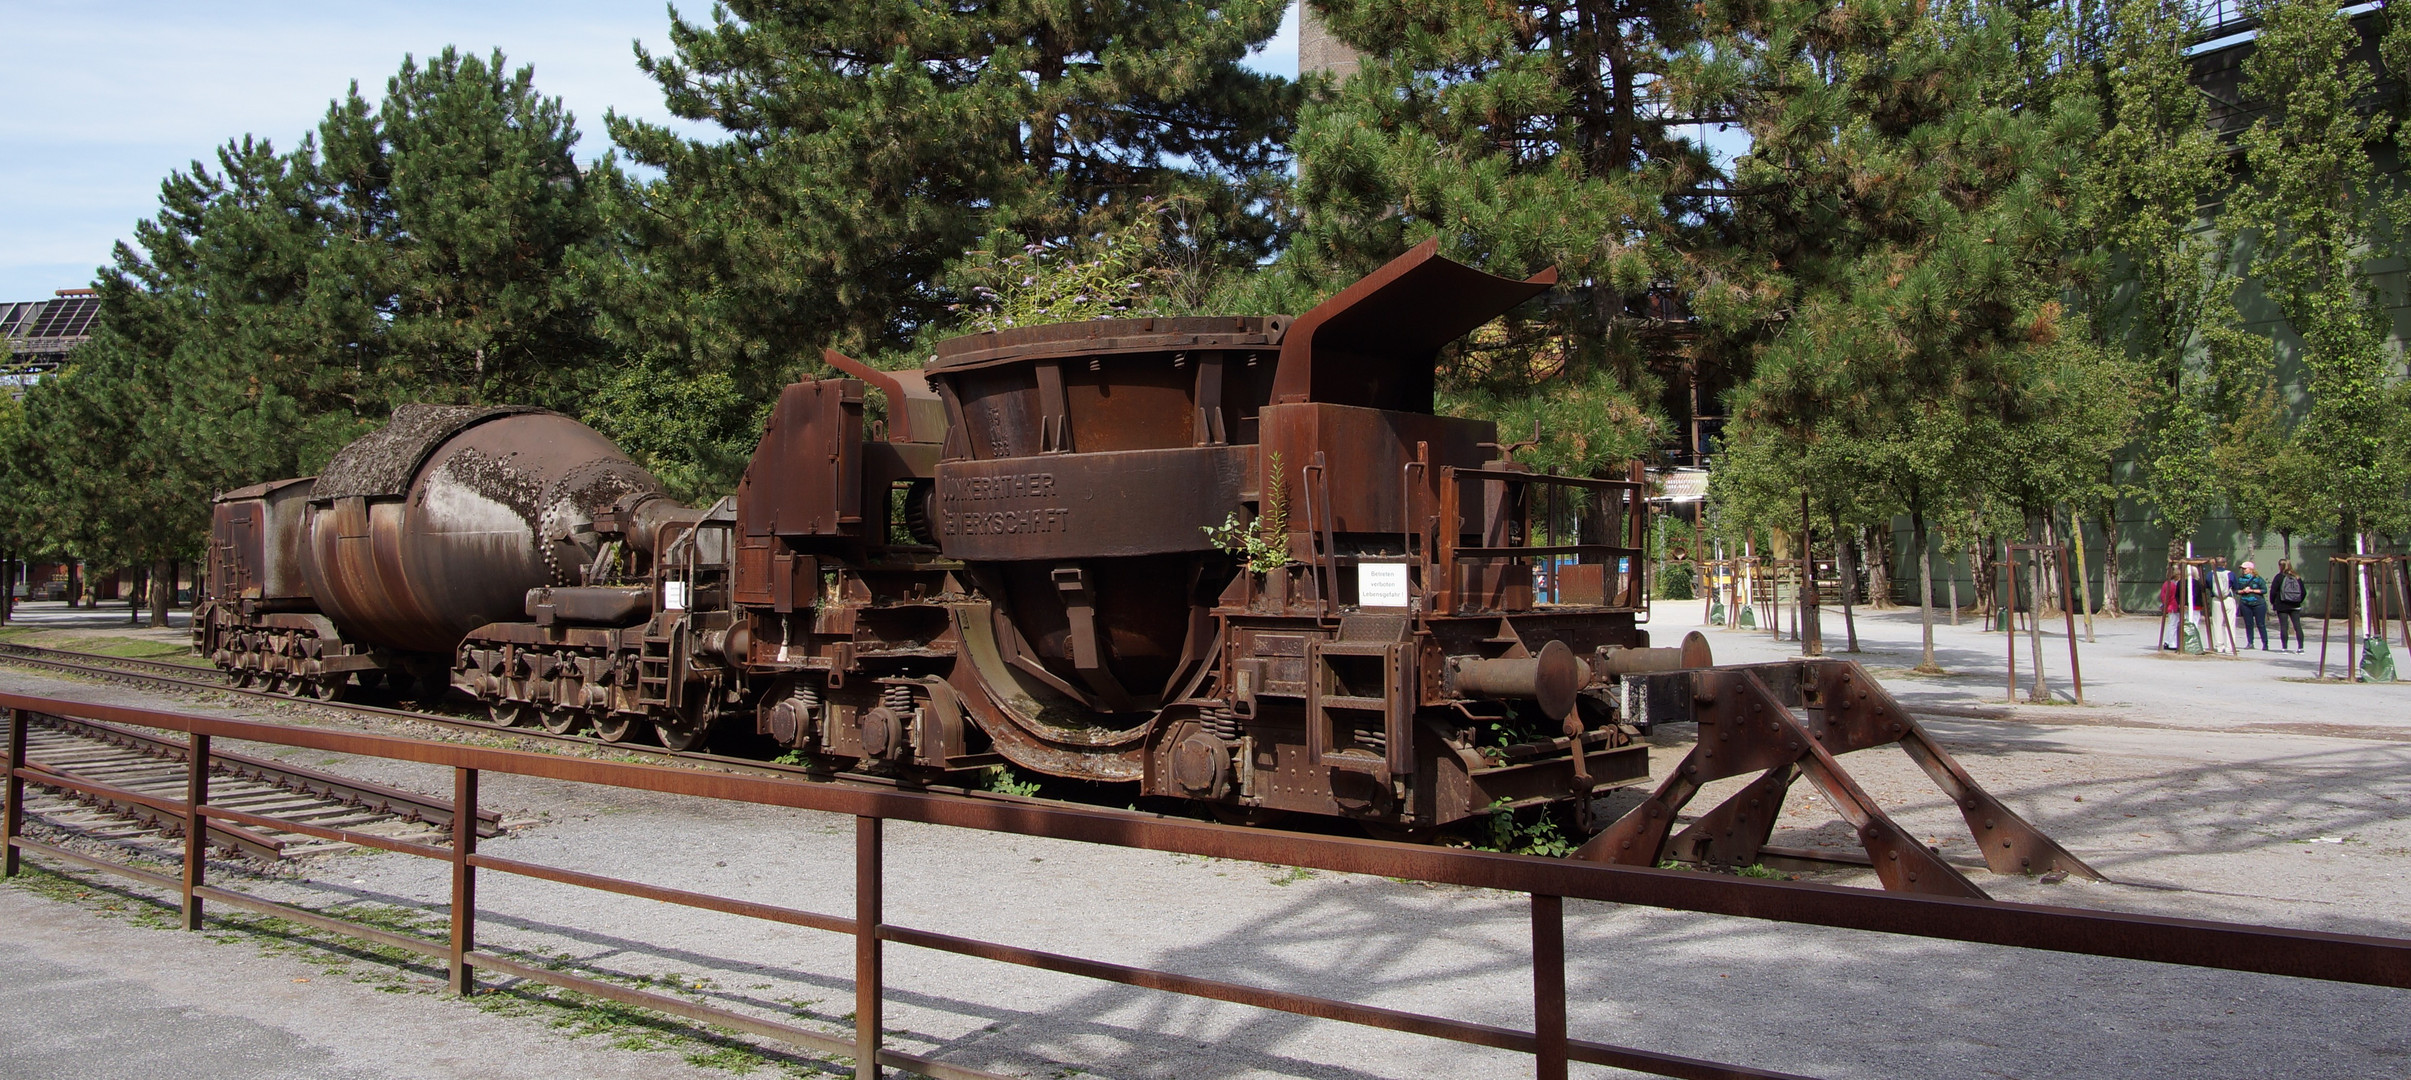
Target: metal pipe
(1552,678)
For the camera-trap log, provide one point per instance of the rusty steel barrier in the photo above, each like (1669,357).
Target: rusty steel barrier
(2307,954)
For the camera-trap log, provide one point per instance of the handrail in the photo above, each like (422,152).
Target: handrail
(2332,957)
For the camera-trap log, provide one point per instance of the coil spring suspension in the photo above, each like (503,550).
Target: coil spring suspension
(807,697)
(1223,723)
(898,699)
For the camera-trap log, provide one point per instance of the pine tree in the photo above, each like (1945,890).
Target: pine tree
(1897,246)
(463,215)
(1522,135)
(864,148)
(280,303)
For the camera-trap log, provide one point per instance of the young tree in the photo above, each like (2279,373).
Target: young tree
(2317,211)
(2153,280)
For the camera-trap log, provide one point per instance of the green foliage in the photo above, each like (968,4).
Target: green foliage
(1264,546)
(1002,781)
(1527,832)
(1674,581)
(279,304)
(861,149)
(2315,211)
(695,431)
(1522,135)
(1120,274)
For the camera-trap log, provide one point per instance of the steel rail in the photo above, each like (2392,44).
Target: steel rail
(486,727)
(366,794)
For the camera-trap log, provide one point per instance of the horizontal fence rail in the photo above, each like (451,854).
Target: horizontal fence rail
(2308,954)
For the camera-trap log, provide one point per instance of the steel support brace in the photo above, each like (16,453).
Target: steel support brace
(12,821)
(1827,708)
(463,978)
(869,899)
(1548,987)
(196,827)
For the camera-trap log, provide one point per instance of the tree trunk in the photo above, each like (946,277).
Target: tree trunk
(8,586)
(1812,635)
(2048,598)
(136,586)
(2110,604)
(163,590)
(2084,580)
(1980,569)
(1925,590)
(75,583)
(1875,548)
(2034,616)
(1845,553)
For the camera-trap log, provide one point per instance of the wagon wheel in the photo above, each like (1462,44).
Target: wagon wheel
(242,678)
(324,687)
(684,729)
(615,727)
(271,682)
(562,721)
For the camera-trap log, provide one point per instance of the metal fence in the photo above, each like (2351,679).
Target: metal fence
(2299,953)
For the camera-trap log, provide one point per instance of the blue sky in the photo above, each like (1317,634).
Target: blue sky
(100,100)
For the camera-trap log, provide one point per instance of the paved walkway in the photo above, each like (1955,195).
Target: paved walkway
(2128,680)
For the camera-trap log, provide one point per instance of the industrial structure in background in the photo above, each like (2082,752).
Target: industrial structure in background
(39,334)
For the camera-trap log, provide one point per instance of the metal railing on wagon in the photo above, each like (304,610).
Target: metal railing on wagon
(2307,954)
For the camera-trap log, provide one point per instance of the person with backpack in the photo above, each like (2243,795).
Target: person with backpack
(2251,606)
(2286,594)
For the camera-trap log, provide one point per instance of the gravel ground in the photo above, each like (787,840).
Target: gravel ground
(2207,787)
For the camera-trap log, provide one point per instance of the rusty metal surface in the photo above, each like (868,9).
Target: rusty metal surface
(491,510)
(382,464)
(1747,724)
(1373,343)
(1089,506)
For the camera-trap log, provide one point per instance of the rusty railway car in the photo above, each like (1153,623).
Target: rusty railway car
(1233,560)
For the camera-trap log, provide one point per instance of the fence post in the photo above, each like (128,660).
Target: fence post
(13,821)
(463,979)
(1548,986)
(869,885)
(196,828)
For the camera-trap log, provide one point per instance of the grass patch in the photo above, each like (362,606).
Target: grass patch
(131,648)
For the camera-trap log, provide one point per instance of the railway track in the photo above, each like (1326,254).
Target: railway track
(78,754)
(183,677)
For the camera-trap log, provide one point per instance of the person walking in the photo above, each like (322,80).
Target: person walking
(2251,606)
(2221,608)
(2287,591)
